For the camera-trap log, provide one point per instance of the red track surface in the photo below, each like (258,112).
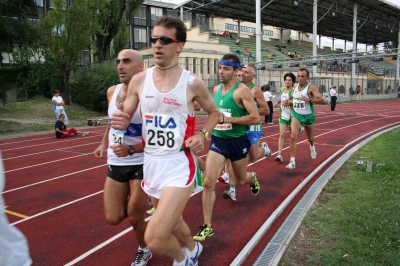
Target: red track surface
(58,184)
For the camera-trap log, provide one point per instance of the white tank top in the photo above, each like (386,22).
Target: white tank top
(299,106)
(130,136)
(167,122)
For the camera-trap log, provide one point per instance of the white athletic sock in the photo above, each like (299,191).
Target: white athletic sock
(180,263)
(146,249)
(292,159)
(312,148)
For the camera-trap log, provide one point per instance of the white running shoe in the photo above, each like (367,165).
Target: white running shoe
(85,133)
(142,257)
(301,130)
(188,260)
(224,178)
(313,154)
(291,165)
(267,150)
(279,158)
(194,255)
(229,195)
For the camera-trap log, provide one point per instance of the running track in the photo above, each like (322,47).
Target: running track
(54,191)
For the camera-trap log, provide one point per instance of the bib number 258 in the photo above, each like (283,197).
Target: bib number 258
(161,138)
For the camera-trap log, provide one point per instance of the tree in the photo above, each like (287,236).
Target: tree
(390,47)
(66,31)
(14,24)
(111,16)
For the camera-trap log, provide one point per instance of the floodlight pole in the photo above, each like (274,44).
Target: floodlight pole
(354,65)
(314,49)
(181,9)
(258,39)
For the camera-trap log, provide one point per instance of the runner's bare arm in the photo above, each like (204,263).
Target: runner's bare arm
(196,106)
(316,97)
(99,152)
(200,94)
(259,98)
(120,120)
(244,98)
(123,150)
(206,102)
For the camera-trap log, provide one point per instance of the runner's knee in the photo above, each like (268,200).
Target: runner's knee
(114,219)
(209,183)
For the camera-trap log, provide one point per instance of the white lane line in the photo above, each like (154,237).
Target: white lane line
(264,228)
(55,208)
(52,143)
(51,179)
(108,241)
(30,154)
(105,243)
(56,161)
(129,229)
(98,247)
(27,140)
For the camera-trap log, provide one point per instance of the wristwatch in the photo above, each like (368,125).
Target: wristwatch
(205,132)
(131,150)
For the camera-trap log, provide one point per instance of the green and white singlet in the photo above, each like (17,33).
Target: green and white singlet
(299,106)
(285,111)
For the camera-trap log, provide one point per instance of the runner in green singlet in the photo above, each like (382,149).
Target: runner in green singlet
(229,140)
(255,131)
(305,95)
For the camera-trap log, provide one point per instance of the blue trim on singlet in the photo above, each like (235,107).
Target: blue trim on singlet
(134,130)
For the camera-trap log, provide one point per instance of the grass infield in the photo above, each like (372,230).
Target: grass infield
(356,218)
(37,115)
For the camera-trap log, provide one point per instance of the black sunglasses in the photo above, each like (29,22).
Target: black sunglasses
(163,40)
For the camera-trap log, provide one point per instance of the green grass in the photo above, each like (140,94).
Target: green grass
(356,219)
(37,115)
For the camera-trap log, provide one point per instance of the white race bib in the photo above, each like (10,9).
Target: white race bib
(224,126)
(299,104)
(117,136)
(162,131)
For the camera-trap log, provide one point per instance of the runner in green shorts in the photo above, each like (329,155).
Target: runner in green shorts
(305,95)
(284,116)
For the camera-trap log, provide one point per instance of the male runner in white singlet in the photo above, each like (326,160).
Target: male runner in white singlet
(166,93)
(123,195)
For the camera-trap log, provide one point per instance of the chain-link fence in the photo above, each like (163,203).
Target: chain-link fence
(207,70)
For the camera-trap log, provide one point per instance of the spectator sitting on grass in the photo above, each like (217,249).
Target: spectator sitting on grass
(63,132)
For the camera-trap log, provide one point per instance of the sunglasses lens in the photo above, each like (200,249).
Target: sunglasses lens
(153,39)
(165,40)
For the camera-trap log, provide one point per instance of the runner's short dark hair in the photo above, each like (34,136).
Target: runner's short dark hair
(231,57)
(306,70)
(291,75)
(173,23)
